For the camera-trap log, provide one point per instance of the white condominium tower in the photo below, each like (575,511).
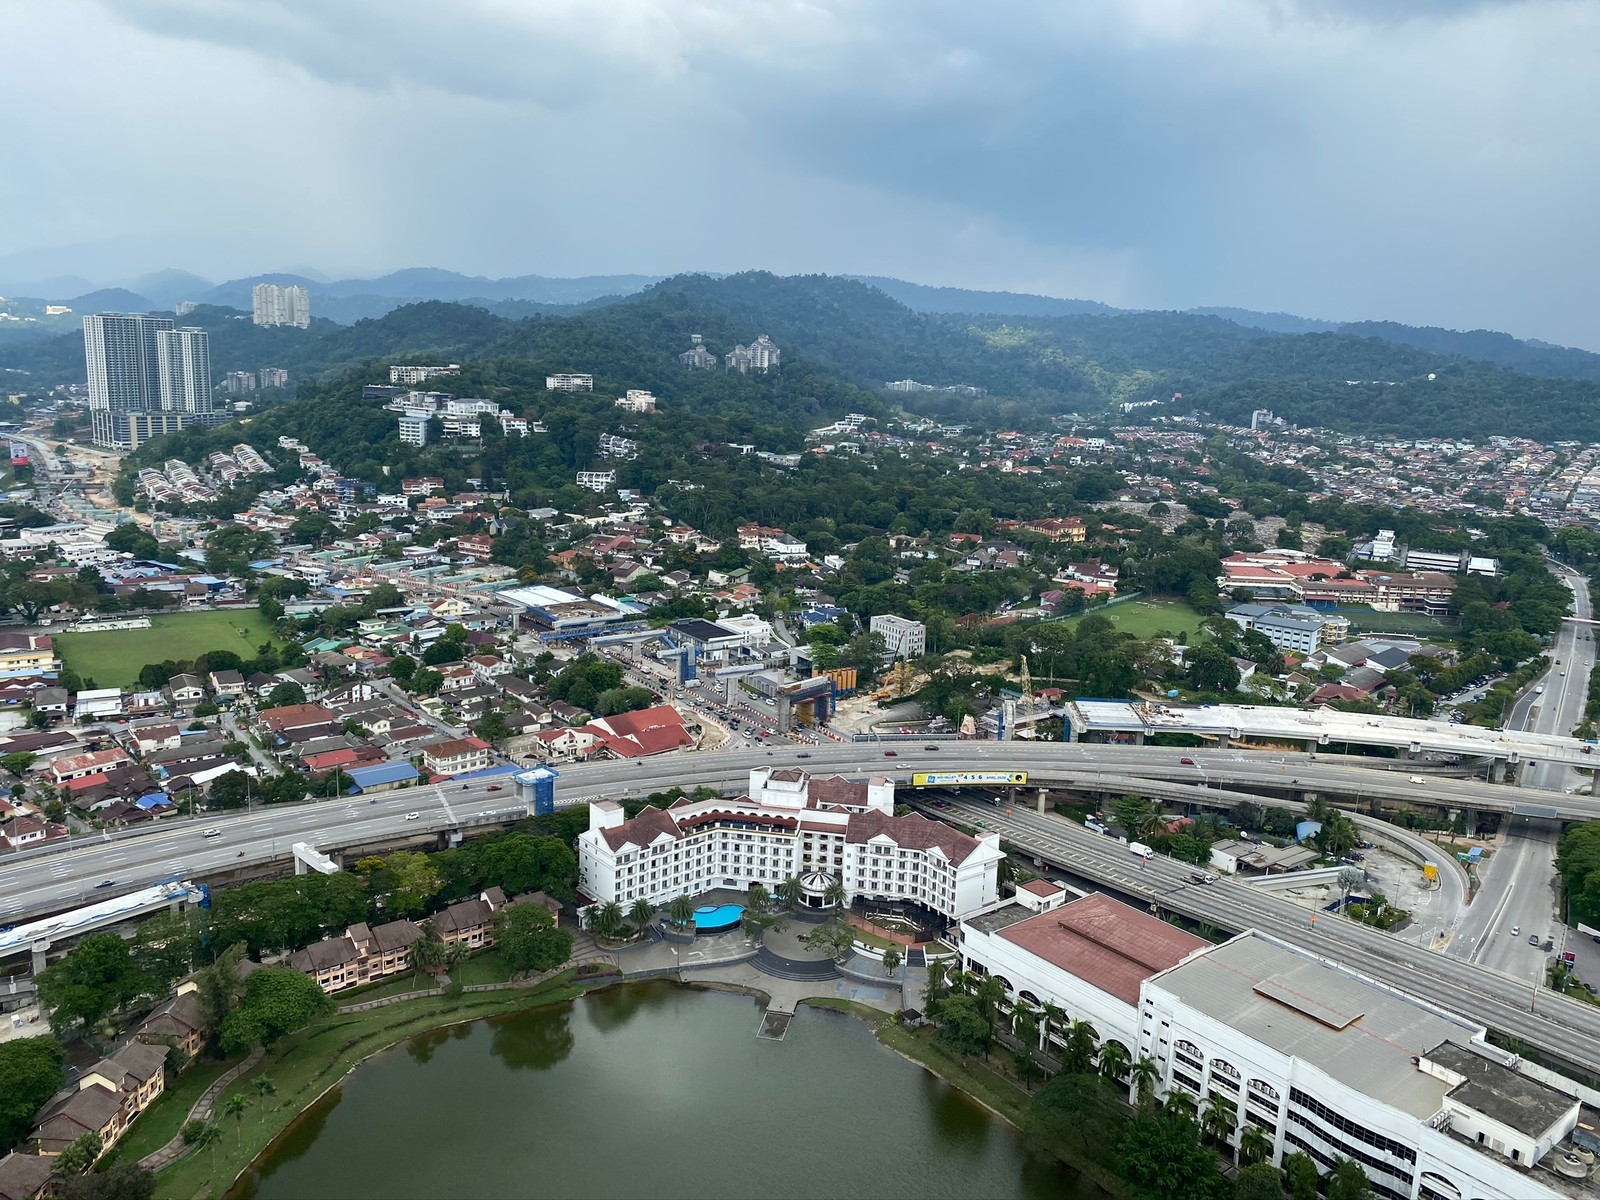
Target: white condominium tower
(145,377)
(183,369)
(275,305)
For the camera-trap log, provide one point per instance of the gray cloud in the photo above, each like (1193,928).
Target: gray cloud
(1431,161)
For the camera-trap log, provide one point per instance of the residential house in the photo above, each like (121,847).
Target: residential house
(176,1021)
(456,756)
(149,738)
(468,923)
(50,702)
(363,954)
(228,683)
(81,766)
(186,690)
(25,1176)
(109,1095)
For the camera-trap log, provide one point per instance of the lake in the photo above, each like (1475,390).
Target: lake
(650,1090)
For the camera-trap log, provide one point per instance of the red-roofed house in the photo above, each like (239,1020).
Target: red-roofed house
(456,756)
(1088,958)
(638,734)
(80,766)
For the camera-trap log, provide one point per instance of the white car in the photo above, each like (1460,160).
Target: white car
(211,833)
(413,816)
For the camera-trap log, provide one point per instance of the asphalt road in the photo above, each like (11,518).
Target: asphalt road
(1519,894)
(52,881)
(55,877)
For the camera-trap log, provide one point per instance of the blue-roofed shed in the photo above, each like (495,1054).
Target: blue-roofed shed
(381,777)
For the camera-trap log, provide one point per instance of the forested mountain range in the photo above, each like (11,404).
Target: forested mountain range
(1028,368)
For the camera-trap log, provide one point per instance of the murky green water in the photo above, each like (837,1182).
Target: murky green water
(650,1091)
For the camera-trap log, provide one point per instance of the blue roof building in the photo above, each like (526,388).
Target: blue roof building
(380,777)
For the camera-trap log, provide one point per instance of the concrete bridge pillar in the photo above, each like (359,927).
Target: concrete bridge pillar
(1040,800)
(40,950)
(1497,773)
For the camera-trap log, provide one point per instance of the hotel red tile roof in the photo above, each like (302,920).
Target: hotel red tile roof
(913,832)
(1105,943)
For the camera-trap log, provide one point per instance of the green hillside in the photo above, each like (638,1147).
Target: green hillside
(841,338)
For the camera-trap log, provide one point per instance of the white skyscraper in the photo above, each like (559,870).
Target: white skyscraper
(145,378)
(275,305)
(119,350)
(183,365)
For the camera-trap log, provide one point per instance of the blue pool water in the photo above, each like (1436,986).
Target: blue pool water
(714,918)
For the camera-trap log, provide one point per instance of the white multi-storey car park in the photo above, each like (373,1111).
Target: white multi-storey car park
(790,825)
(1322,1060)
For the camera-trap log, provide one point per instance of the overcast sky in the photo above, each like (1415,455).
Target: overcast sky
(1431,161)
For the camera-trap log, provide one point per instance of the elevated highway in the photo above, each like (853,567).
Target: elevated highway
(48,882)
(1100,719)
(63,874)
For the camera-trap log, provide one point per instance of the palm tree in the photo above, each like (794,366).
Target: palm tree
(1113,1061)
(937,985)
(1023,1012)
(207,1135)
(681,911)
(1079,1055)
(1025,1027)
(1219,1118)
(606,921)
(264,1088)
(756,924)
(1145,1073)
(1055,1017)
(455,954)
(641,913)
(427,952)
(991,994)
(758,898)
(834,894)
(234,1107)
(1181,1103)
(1254,1145)
(891,960)
(790,893)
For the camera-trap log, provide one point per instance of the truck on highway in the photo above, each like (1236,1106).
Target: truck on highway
(1140,849)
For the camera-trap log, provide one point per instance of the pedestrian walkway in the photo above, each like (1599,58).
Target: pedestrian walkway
(790,968)
(201,1111)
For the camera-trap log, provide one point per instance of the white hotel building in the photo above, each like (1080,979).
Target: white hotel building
(789,826)
(1323,1060)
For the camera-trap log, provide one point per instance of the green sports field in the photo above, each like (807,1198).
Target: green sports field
(112,657)
(1146,618)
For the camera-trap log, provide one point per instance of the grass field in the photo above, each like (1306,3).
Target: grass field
(112,658)
(160,1123)
(1369,620)
(1146,618)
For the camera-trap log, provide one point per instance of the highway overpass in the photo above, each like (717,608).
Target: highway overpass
(44,882)
(1099,720)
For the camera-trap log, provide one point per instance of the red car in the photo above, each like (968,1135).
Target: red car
(497,788)
(891,754)
(1186,762)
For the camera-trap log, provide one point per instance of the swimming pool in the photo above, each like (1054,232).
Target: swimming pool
(714,918)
